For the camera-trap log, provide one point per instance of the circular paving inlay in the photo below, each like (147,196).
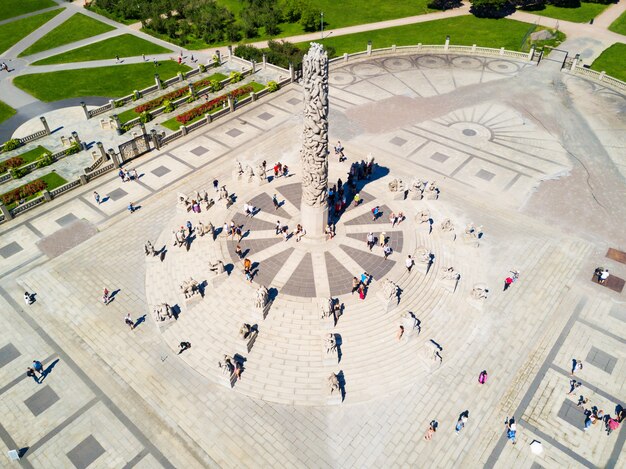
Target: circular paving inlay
(469,132)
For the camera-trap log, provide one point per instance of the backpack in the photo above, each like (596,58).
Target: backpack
(482,378)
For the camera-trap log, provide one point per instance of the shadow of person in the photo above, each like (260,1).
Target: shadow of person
(48,369)
(141,320)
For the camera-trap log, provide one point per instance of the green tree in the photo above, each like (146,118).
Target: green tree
(444,4)
(309,18)
(491,8)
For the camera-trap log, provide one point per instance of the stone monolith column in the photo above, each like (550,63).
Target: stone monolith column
(314,152)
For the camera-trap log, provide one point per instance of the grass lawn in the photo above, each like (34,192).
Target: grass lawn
(110,82)
(125,45)
(173,124)
(12,8)
(13,32)
(131,114)
(583,14)
(612,61)
(463,30)
(52,180)
(6,111)
(32,155)
(619,25)
(76,27)
(337,14)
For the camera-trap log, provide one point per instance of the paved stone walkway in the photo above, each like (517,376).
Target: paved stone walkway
(521,150)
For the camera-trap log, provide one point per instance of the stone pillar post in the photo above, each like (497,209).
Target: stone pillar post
(231,103)
(574,62)
(143,128)
(292,75)
(230,52)
(6,212)
(83,179)
(314,152)
(264,61)
(102,152)
(369,47)
(118,124)
(45,125)
(157,81)
(111,104)
(77,139)
(253,96)
(46,195)
(219,56)
(531,52)
(136,94)
(192,91)
(602,75)
(84,106)
(345,56)
(155,139)
(393,48)
(501,50)
(253,67)
(114,157)
(474,48)
(181,77)
(446,45)
(183,129)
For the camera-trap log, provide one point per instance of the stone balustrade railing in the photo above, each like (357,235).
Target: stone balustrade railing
(435,49)
(65,187)
(601,77)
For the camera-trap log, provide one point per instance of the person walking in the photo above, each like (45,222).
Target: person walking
(573,384)
(238,251)
(432,428)
(38,367)
(511,429)
(28,298)
(482,377)
(31,373)
(131,208)
(105,296)
(400,333)
(370,240)
(409,262)
(577,365)
(278,228)
(387,251)
(275,202)
(129,321)
(247,265)
(357,200)
(96,197)
(382,240)
(361,291)
(355,284)
(375,213)
(184,346)
(216,185)
(460,424)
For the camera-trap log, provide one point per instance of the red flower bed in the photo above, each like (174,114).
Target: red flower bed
(22,192)
(14,162)
(155,103)
(210,105)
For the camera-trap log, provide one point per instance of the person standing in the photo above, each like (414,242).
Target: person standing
(382,240)
(482,377)
(96,197)
(105,296)
(577,365)
(361,291)
(432,428)
(275,202)
(184,346)
(357,200)
(129,321)
(278,228)
(238,251)
(28,298)
(387,251)
(409,262)
(370,240)
(216,185)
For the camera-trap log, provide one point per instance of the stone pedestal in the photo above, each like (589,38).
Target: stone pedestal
(470,240)
(334,399)
(398,195)
(193,300)
(261,181)
(447,235)
(217,280)
(237,175)
(259,314)
(328,324)
(478,304)
(244,346)
(449,285)
(387,303)
(416,195)
(314,220)
(422,267)
(331,358)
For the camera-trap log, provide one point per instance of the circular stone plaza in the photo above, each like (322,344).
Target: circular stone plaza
(494,167)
